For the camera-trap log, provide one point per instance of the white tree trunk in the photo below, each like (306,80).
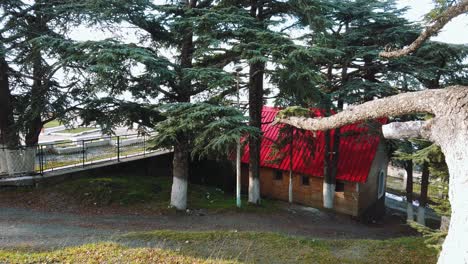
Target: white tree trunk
(455,247)
(421,215)
(254,190)
(19,161)
(328,195)
(180,178)
(409,211)
(179,193)
(3,163)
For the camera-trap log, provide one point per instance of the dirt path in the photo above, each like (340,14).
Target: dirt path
(21,227)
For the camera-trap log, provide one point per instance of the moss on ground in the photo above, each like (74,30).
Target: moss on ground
(232,247)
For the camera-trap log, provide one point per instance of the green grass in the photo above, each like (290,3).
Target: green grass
(395,186)
(262,247)
(53,123)
(232,247)
(152,192)
(101,253)
(77,130)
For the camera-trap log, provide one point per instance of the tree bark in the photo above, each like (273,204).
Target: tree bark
(181,158)
(255,114)
(437,25)
(423,195)
(409,190)
(448,129)
(38,102)
(9,138)
(329,182)
(8,135)
(291,151)
(256,73)
(180,172)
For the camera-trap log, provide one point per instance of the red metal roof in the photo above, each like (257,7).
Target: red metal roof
(356,151)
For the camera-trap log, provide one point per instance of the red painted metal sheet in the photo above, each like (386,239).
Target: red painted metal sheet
(356,151)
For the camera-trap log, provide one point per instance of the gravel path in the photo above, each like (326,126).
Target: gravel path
(20,227)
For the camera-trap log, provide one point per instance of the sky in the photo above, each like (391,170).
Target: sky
(456,31)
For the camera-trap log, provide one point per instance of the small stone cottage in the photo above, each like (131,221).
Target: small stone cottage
(361,172)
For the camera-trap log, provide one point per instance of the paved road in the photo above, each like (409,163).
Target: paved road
(26,228)
(21,227)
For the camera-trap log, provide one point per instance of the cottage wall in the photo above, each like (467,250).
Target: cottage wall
(355,199)
(368,197)
(346,201)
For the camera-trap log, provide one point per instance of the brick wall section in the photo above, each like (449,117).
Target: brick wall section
(310,195)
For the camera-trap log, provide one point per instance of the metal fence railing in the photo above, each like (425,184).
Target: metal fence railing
(71,153)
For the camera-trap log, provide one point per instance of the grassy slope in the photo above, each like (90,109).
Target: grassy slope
(100,253)
(53,123)
(395,186)
(152,192)
(77,130)
(232,247)
(206,247)
(276,248)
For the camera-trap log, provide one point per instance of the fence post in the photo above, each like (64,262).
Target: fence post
(118,148)
(44,160)
(83,150)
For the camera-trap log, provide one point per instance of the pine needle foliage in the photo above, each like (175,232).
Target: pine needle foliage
(43,86)
(433,238)
(211,130)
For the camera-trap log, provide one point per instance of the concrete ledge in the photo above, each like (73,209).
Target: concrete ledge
(74,172)
(58,133)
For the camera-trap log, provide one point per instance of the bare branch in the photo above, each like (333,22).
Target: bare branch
(406,130)
(431,30)
(427,101)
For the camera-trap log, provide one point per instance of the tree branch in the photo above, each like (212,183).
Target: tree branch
(406,130)
(427,101)
(433,29)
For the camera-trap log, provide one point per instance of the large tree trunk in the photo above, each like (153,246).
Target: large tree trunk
(25,159)
(291,151)
(255,113)
(40,82)
(181,158)
(409,190)
(331,159)
(329,181)
(423,195)
(20,160)
(8,134)
(9,138)
(256,73)
(448,129)
(180,172)
(455,248)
